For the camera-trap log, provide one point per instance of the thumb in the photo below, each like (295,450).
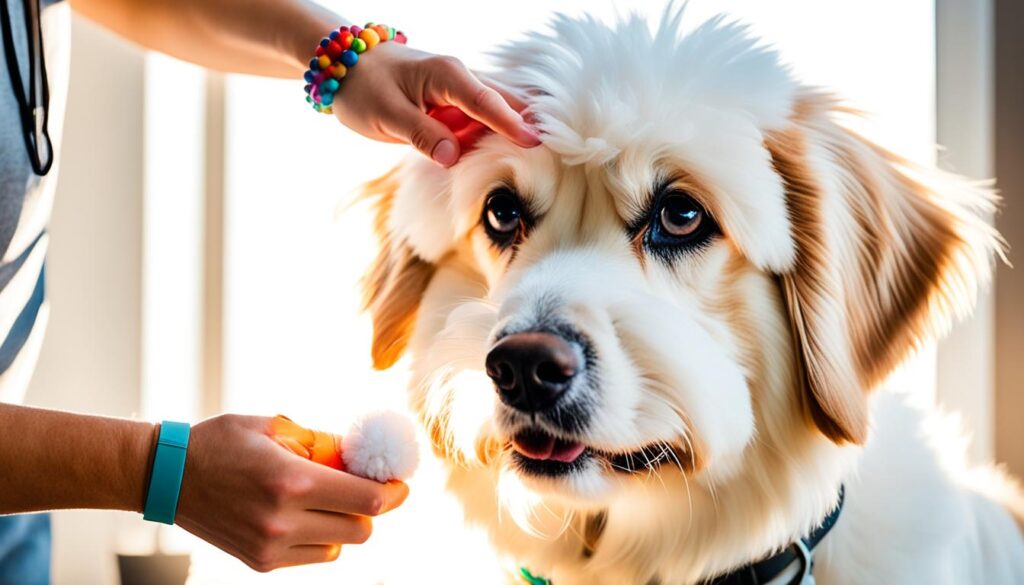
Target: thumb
(427,135)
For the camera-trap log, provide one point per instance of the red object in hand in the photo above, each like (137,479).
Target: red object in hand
(467,130)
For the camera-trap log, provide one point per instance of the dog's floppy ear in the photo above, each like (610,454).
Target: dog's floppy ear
(414,224)
(397,279)
(887,255)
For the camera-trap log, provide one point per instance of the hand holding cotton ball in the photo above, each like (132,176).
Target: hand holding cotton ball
(380,446)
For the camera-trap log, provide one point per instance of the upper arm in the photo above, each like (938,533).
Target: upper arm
(119,16)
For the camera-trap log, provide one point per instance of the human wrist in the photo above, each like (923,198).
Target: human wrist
(339,52)
(300,38)
(138,445)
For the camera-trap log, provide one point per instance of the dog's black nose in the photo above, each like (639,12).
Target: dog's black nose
(532,370)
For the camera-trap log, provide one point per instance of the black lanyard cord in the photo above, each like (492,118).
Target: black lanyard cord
(34,108)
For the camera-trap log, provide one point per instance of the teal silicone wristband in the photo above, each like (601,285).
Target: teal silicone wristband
(168,470)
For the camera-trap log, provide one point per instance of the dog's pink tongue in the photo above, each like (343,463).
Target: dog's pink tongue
(542,446)
(566,452)
(534,444)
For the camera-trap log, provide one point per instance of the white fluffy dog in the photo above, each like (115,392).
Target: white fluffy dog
(647,348)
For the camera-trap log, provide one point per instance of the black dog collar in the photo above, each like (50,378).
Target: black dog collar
(763,571)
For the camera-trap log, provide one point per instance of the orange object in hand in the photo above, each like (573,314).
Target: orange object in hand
(319,446)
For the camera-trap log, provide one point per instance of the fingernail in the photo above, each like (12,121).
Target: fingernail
(532,138)
(445,153)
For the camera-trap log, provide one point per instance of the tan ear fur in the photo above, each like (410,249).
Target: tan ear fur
(395,282)
(887,256)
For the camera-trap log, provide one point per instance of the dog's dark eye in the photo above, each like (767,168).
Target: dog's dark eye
(503,217)
(677,223)
(680,216)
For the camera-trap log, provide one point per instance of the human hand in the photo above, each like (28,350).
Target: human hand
(387,97)
(252,498)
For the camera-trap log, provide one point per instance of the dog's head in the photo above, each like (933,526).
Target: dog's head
(699,265)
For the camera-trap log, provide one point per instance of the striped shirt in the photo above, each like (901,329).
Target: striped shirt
(26,201)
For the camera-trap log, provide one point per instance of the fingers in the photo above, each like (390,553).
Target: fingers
(309,554)
(513,100)
(326,489)
(294,556)
(453,83)
(425,134)
(330,528)
(340,492)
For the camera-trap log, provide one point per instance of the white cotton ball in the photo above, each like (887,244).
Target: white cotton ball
(381,446)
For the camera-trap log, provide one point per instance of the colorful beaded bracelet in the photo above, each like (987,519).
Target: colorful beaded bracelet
(338,53)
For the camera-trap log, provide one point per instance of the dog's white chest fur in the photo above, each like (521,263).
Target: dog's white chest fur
(916,513)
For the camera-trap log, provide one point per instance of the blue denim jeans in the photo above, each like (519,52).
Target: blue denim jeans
(25,549)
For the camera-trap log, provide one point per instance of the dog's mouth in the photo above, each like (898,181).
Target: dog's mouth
(537,452)
(537,445)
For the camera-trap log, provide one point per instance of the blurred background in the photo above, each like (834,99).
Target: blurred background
(198,267)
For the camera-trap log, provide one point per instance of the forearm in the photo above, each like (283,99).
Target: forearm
(52,460)
(262,37)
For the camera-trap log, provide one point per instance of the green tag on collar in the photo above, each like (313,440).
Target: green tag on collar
(531,579)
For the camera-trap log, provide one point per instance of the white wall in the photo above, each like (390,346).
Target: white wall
(965,129)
